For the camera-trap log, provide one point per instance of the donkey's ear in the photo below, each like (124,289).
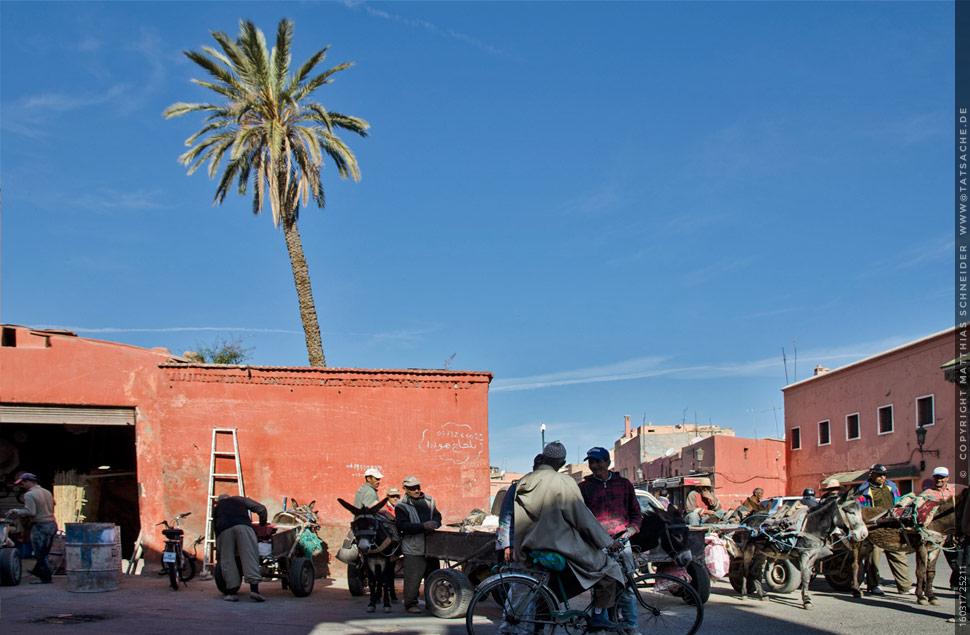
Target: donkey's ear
(353,510)
(376,506)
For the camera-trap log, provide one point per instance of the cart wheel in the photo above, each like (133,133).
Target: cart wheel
(301,577)
(448,593)
(355,580)
(221,581)
(10,570)
(838,572)
(782,576)
(699,579)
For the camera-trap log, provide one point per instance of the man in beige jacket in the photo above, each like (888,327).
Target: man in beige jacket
(39,508)
(550,515)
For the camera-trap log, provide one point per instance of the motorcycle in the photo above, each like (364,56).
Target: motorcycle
(176,562)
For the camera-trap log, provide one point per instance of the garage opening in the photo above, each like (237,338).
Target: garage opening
(85,456)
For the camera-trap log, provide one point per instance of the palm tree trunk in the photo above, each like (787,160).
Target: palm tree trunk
(301,276)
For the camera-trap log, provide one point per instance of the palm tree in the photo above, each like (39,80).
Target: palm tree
(269,130)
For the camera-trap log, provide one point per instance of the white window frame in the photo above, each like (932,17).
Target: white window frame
(827,422)
(932,399)
(879,419)
(799,428)
(858,425)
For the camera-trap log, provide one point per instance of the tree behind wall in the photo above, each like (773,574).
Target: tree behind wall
(269,131)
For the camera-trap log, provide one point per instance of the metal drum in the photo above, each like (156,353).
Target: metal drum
(93,554)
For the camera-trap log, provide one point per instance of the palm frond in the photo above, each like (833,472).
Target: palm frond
(281,53)
(180,108)
(309,65)
(353,124)
(318,81)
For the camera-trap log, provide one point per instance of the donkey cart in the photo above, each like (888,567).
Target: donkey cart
(467,559)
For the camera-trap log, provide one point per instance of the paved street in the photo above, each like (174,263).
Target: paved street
(145,604)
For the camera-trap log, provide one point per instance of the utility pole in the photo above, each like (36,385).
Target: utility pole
(754,423)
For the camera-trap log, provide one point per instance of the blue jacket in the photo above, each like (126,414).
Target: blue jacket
(504,538)
(865,498)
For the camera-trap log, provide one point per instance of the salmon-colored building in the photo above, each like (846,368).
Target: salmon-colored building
(839,422)
(140,423)
(736,466)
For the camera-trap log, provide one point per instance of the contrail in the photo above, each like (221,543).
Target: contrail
(170,329)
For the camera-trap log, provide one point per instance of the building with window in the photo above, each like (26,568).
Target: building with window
(839,422)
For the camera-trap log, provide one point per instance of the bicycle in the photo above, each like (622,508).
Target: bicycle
(521,601)
(176,562)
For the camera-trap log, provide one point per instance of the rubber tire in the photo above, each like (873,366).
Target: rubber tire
(10,566)
(173,576)
(447,593)
(301,576)
(219,580)
(782,576)
(188,567)
(355,580)
(684,591)
(840,579)
(493,591)
(734,575)
(700,579)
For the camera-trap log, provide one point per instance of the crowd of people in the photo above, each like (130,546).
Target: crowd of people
(545,511)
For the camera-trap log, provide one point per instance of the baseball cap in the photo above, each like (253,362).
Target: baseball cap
(941,471)
(598,453)
(393,491)
(878,468)
(26,476)
(412,481)
(376,473)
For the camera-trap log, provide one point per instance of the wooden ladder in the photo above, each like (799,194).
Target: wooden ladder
(208,559)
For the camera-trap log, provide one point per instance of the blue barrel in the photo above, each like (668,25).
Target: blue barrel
(93,555)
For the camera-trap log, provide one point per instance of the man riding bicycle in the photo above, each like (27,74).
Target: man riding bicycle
(550,515)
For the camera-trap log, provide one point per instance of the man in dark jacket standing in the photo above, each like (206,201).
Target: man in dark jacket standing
(614,504)
(235,537)
(416,516)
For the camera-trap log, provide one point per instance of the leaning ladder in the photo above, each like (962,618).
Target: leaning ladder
(208,559)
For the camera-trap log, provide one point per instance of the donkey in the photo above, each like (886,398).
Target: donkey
(379,545)
(926,541)
(805,546)
(666,529)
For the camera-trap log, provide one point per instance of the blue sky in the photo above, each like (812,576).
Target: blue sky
(616,208)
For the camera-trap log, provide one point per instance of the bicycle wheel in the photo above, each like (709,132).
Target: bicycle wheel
(511,603)
(666,604)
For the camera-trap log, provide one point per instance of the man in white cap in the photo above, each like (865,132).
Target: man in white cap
(417,517)
(39,508)
(366,495)
(550,516)
(940,491)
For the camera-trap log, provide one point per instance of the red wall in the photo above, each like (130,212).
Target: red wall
(304,433)
(896,377)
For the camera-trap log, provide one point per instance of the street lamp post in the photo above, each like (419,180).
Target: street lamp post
(542,430)
(920,440)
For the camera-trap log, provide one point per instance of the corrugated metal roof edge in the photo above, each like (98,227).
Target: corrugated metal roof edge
(334,370)
(870,358)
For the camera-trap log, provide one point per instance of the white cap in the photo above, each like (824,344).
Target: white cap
(376,473)
(941,471)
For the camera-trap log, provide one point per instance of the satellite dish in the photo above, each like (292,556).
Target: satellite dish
(695,440)
(670,452)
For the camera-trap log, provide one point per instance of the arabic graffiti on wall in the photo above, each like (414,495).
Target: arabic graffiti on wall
(452,442)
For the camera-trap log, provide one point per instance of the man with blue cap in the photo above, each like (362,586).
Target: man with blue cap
(614,504)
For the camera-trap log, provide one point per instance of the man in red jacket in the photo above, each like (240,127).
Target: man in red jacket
(614,504)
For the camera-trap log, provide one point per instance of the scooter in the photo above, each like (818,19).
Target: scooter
(176,562)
